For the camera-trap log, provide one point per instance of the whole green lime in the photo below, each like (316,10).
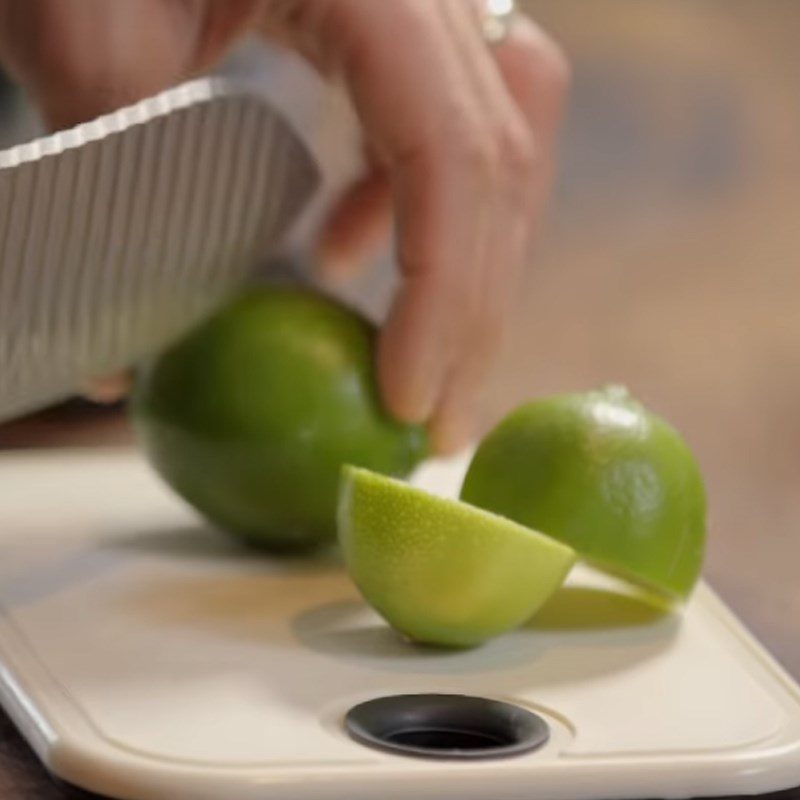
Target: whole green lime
(251,416)
(603,474)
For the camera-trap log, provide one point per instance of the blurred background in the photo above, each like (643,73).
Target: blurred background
(670,264)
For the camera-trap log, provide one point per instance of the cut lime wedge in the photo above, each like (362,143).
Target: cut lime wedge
(441,571)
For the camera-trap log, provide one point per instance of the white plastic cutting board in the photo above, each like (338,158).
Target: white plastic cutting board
(144,656)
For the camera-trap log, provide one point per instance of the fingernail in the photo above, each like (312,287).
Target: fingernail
(410,391)
(413,407)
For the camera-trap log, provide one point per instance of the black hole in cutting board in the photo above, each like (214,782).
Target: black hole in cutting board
(448,726)
(433,739)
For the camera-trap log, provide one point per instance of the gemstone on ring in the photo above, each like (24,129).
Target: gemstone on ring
(498,17)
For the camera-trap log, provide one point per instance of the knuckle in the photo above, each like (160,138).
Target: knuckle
(476,150)
(521,162)
(521,156)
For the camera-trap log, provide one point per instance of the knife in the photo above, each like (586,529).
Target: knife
(119,235)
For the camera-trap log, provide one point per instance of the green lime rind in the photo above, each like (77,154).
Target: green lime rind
(603,474)
(438,570)
(250,417)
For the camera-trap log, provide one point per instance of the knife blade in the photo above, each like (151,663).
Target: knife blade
(119,235)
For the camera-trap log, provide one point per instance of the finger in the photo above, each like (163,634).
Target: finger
(358,226)
(430,134)
(410,129)
(443,208)
(454,422)
(222,25)
(500,253)
(537,75)
(80,60)
(536,72)
(436,135)
(109,389)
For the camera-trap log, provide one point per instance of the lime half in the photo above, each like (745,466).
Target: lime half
(605,475)
(441,571)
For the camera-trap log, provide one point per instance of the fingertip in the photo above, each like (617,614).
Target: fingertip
(110,390)
(452,433)
(457,418)
(406,404)
(409,386)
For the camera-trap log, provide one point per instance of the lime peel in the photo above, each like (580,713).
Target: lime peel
(605,475)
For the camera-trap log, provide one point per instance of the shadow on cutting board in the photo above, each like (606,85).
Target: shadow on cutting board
(582,608)
(202,541)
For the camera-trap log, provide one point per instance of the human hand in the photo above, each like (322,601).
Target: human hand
(460,136)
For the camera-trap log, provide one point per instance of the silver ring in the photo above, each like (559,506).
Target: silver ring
(498,18)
